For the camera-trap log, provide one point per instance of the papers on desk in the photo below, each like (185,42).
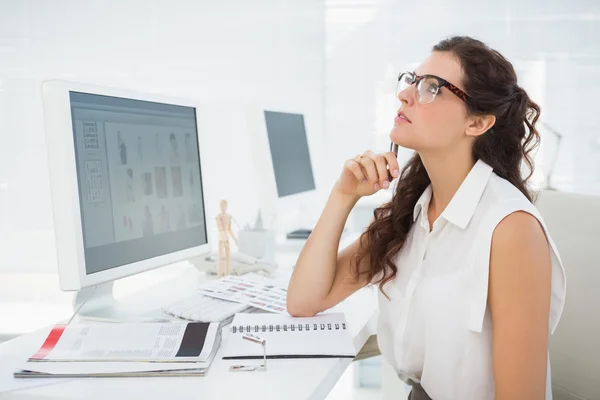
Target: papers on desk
(321,336)
(109,369)
(163,342)
(251,290)
(201,308)
(8,383)
(129,349)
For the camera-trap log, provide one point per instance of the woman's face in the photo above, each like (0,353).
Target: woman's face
(438,125)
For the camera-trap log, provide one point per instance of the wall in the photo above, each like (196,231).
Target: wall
(553,45)
(227,53)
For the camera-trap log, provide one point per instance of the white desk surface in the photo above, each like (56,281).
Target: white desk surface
(289,379)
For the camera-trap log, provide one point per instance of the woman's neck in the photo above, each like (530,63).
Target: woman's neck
(447,173)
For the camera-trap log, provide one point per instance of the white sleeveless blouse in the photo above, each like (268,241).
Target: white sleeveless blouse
(436,329)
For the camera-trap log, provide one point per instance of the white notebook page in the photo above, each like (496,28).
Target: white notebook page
(331,338)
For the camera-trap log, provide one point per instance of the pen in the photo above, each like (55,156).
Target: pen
(394,149)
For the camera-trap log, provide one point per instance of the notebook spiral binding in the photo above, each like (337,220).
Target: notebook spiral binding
(287,328)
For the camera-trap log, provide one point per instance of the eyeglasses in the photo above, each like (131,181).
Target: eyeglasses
(428,86)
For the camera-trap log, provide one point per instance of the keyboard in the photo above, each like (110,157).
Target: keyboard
(200,308)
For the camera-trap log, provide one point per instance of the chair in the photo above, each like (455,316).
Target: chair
(574,224)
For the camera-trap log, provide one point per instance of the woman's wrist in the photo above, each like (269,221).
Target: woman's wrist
(343,198)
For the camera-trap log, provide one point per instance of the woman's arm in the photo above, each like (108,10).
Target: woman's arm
(519,300)
(322,277)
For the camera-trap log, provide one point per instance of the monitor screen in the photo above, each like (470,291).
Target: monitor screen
(289,153)
(139,178)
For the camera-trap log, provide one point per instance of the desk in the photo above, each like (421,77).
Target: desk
(289,379)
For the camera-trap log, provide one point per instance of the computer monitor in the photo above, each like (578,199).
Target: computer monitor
(289,153)
(284,167)
(126,181)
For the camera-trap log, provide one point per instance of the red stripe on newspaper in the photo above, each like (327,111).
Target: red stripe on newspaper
(50,342)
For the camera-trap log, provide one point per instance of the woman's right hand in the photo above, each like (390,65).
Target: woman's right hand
(368,173)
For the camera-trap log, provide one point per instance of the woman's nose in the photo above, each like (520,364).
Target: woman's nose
(407,96)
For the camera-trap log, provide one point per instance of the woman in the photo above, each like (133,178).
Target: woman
(470,282)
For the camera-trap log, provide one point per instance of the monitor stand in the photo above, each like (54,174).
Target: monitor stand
(98,303)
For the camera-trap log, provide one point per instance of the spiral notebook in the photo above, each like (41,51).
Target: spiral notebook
(321,336)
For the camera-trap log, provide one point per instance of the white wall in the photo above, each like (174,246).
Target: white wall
(553,45)
(224,52)
(280,53)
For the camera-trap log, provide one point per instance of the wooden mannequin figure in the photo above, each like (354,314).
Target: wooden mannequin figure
(225,232)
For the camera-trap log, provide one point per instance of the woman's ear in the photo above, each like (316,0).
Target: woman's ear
(478,125)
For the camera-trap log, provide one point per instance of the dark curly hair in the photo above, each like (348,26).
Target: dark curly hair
(491,81)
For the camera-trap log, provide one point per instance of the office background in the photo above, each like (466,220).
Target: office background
(335,60)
